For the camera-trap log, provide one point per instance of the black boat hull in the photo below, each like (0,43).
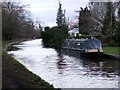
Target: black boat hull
(90,55)
(80,54)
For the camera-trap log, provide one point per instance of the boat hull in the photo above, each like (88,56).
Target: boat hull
(90,55)
(81,54)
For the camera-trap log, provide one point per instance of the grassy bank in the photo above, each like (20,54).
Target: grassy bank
(111,50)
(15,75)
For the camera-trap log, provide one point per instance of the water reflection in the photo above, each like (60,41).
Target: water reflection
(102,67)
(61,64)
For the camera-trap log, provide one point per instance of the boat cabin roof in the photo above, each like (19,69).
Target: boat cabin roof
(83,43)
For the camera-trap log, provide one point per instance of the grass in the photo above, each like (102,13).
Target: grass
(15,75)
(111,50)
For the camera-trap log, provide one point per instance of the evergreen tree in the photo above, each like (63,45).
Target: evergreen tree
(109,28)
(54,36)
(109,21)
(85,21)
(60,16)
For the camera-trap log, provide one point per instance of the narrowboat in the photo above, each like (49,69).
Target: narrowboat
(89,48)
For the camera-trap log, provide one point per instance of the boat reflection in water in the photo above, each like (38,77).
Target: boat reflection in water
(103,67)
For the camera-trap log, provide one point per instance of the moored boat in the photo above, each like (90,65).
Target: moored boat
(89,48)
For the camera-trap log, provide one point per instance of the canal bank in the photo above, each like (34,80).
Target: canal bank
(15,75)
(112,52)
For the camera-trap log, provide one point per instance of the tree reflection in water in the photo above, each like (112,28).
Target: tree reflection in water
(61,62)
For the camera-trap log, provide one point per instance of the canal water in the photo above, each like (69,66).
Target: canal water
(64,70)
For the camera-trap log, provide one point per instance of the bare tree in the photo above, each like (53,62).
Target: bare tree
(98,11)
(17,22)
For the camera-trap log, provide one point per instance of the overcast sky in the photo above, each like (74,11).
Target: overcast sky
(46,10)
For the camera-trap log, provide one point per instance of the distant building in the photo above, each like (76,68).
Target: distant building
(74,32)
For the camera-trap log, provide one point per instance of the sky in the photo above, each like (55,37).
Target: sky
(46,10)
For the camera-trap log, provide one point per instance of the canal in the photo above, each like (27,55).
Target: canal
(64,70)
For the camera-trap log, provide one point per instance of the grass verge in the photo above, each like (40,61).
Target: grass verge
(15,75)
(111,50)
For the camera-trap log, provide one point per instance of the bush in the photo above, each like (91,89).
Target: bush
(54,37)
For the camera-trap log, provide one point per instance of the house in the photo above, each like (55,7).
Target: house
(74,32)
